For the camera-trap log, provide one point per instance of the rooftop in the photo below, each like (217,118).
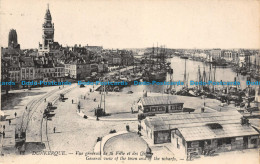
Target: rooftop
(160,100)
(201,126)
(227,130)
(181,120)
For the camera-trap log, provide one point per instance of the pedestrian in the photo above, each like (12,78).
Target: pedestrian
(84,97)
(22,150)
(95,99)
(54,129)
(15,114)
(72,101)
(9,122)
(26,108)
(45,100)
(59,87)
(4,127)
(3,134)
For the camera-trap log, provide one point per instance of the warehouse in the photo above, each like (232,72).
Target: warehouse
(200,132)
(160,104)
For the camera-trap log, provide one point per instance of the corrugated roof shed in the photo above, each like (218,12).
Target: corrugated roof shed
(160,100)
(194,126)
(178,120)
(228,130)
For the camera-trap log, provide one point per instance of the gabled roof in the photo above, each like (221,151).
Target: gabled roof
(27,62)
(59,65)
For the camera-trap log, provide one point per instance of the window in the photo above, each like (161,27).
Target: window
(227,140)
(254,141)
(201,143)
(188,144)
(208,142)
(153,109)
(146,110)
(220,142)
(160,108)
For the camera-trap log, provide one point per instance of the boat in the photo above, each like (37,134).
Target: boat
(184,57)
(157,70)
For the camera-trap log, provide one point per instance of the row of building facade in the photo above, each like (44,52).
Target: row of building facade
(53,62)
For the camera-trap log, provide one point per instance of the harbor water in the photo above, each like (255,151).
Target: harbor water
(178,65)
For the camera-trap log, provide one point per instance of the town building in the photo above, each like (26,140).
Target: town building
(96,49)
(127,58)
(200,132)
(102,67)
(48,70)
(14,73)
(160,104)
(27,69)
(77,69)
(5,77)
(216,54)
(59,73)
(230,56)
(39,74)
(112,58)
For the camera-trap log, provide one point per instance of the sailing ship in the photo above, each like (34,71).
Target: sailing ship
(158,70)
(169,89)
(185,91)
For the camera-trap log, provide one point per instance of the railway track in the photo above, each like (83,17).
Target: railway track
(33,105)
(30,122)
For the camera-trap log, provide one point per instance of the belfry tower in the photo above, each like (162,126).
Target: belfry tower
(47,29)
(48,43)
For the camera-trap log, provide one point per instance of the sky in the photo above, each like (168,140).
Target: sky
(136,23)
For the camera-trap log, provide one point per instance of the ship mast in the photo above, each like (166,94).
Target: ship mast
(199,77)
(157,56)
(185,74)
(151,57)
